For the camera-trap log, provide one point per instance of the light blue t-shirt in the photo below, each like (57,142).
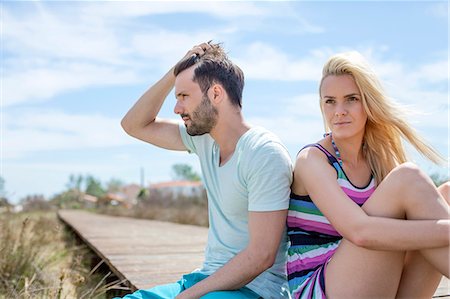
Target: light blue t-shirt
(257,177)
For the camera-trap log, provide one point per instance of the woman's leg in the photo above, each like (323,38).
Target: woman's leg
(356,272)
(444,189)
(419,278)
(429,204)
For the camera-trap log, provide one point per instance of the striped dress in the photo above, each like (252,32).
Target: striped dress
(312,238)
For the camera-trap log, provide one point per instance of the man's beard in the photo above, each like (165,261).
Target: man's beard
(203,119)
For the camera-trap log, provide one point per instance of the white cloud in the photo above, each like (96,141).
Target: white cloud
(45,34)
(304,106)
(240,15)
(422,89)
(218,9)
(52,49)
(298,122)
(262,61)
(41,83)
(439,9)
(433,72)
(420,76)
(43,130)
(294,132)
(165,47)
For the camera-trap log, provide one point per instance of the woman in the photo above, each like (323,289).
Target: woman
(362,222)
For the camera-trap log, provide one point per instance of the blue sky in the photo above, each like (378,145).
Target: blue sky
(71,70)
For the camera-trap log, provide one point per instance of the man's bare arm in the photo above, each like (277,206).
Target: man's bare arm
(266,230)
(141,121)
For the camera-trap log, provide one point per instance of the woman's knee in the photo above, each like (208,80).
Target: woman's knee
(409,174)
(412,186)
(407,169)
(444,189)
(418,195)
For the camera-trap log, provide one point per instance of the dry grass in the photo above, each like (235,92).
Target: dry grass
(39,258)
(184,210)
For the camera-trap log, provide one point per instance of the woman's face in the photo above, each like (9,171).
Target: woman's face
(342,107)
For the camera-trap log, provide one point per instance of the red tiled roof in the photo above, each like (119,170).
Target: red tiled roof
(176,184)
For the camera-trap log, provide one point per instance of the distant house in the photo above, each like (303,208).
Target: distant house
(90,201)
(130,192)
(125,196)
(90,198)
(177,188)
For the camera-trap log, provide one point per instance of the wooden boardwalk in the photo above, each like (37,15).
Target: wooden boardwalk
(147,252)
(443,290)
(144,252)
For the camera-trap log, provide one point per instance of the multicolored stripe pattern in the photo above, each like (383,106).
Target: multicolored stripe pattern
(313,240)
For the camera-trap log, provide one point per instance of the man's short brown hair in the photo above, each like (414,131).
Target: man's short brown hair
(215,67)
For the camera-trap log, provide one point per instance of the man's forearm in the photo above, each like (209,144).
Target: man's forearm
(238,272)
(149,104)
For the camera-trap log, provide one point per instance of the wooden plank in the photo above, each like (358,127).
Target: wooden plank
(443,291)
(144,252)
(147,252)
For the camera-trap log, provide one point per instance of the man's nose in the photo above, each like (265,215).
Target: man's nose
(178,109)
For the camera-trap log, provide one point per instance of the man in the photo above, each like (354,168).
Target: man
(247,173)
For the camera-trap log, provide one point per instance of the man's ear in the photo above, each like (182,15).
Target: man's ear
(217,93)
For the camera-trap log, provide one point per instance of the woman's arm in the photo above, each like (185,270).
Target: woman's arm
(313,174)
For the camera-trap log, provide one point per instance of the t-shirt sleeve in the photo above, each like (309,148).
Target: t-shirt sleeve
(187,139)
(269,179)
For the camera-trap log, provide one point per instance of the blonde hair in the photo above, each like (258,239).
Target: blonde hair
(386,124)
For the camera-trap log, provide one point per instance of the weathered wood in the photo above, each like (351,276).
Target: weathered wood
(443,290)
(147,252)
(144,252)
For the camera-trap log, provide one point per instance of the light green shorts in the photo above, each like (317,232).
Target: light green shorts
(171,290)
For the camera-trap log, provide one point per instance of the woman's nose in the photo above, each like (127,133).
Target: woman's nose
(340,110)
